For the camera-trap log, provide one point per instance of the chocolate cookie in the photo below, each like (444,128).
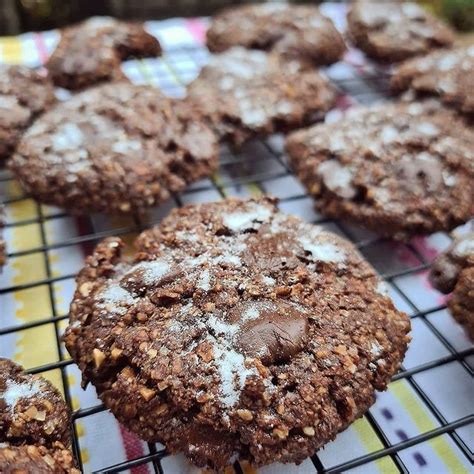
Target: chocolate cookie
(34,424)
(399,169)
(114,148)
(448,74)
(291,31)
(453,271)
(393,31)
(92,51)
(24,94)
(235,331)
(246,93)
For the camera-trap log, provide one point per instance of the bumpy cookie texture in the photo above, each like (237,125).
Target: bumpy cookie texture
(34,424)
(293,32)
(92,51)
(24,94)
(29,459)
(235,332)
(246,93)
(448,74)
(453,271)
(393,31)
(114,148)
(32,411)
(399,169)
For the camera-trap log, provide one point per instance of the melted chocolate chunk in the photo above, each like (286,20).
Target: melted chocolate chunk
(278,333)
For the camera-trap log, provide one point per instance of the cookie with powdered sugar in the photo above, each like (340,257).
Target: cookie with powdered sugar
(34,424)
(235,332)
(24,94)
(293,32)
(453,272)
(248,93)
(448,74)
(115,148)
(92,51)
(391,31)
(399,169)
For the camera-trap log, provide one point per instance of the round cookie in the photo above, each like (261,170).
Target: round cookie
(37,460)
(32,411)
(448,74)
(394,31)
(291,31)
(453,271)
(92,51)
(24,94)
(114,148)
(399,169)
(235,331)
(247,93)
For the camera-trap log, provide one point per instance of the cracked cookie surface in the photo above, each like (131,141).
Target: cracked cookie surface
(298,32)
(248,93)
(235,331)
(93,50)
(399,169)
(114,148)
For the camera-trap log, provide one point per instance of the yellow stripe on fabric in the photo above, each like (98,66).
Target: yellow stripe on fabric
(372,443)
(424,423)
(145,71)
(11,50)
(32,303)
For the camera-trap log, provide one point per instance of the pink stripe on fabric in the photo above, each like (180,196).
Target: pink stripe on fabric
(197,29)
(133,449)
(41,46)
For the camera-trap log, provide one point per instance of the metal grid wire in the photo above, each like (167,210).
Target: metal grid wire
(240,170)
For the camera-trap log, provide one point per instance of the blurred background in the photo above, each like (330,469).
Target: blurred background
(17,16)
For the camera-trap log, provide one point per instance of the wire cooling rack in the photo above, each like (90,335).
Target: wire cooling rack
(261,167)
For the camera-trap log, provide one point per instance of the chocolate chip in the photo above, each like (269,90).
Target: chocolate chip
(276,333)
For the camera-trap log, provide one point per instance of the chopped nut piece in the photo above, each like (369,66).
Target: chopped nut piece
(147,393)
(99,357)
(245,414)
(281,433)
(308,431)
(116,352)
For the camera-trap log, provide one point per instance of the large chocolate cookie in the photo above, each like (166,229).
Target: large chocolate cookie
(92,51)
(399,169)
(393,31)
(24,94)
(448,74)
(114,148)
(291,31)
(245,93)
(34,424)
(235,332)
(453,271)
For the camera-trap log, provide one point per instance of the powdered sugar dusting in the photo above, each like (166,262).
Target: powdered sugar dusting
(68,137)
(115,299)
(239,221)
(322,251)
(16,391)
(232,372)
(153,271)
(204,282)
